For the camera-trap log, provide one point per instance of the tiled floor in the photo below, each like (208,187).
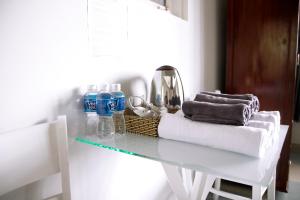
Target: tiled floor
(294,180)
(293,188)
(295,167)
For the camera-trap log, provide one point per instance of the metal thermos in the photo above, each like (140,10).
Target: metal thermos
(166,89)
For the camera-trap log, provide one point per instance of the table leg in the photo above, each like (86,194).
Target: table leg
(176,182)
(188,178)
(209,181)
(272,187)
(256,192)
(188,184)
(217,186)
(198,186)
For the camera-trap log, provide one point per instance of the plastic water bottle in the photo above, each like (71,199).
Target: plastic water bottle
(105,112)
(89,102)
(89,99)
(119,107)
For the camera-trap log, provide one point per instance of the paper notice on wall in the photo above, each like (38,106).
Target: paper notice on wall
(107,24)
(161,2)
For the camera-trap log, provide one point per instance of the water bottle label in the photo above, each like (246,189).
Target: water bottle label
(104,107)
(119,103)
(89,105)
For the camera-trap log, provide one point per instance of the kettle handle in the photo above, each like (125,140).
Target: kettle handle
(181,84)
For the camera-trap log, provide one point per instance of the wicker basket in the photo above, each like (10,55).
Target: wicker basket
(141,125)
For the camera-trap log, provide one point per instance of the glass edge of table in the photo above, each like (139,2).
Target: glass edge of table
(82,139)
(85,140)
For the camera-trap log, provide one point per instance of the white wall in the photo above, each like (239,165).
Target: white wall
(45,56)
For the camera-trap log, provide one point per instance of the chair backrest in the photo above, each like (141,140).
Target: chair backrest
(33,153)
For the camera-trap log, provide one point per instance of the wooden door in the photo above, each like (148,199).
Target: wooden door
(261,55)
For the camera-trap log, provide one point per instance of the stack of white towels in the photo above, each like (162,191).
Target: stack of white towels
(253,139)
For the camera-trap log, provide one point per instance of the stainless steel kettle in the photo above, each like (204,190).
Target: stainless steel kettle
(166,89)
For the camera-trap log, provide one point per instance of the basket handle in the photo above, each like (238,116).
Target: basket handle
(144,109)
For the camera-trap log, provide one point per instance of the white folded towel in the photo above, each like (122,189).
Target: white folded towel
(276,113)
(268,116)
(268,126)
(241,139)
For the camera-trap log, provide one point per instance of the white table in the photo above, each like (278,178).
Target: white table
(192,169)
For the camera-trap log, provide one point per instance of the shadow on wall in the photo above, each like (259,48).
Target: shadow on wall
(72,106)
(134,86)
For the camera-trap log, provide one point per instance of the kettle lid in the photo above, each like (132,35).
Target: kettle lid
(165,68)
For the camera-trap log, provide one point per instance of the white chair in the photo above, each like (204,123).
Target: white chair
(31,154)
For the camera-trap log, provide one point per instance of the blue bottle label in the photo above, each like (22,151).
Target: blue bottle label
(89,104)
(119,103)
(105,107)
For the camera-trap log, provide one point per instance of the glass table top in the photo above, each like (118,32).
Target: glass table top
(223,164)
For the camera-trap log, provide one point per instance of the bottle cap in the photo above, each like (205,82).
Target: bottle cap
(92,88)
(104,87)
(115,87)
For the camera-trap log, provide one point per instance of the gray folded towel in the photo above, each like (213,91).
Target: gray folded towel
(233,114)
(223,100)
(254,100)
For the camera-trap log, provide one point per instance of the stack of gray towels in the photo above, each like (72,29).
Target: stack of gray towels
(231,109)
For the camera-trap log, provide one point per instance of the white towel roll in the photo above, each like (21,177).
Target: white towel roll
(268,126)
(241,139)
(277,116)
(268,116)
